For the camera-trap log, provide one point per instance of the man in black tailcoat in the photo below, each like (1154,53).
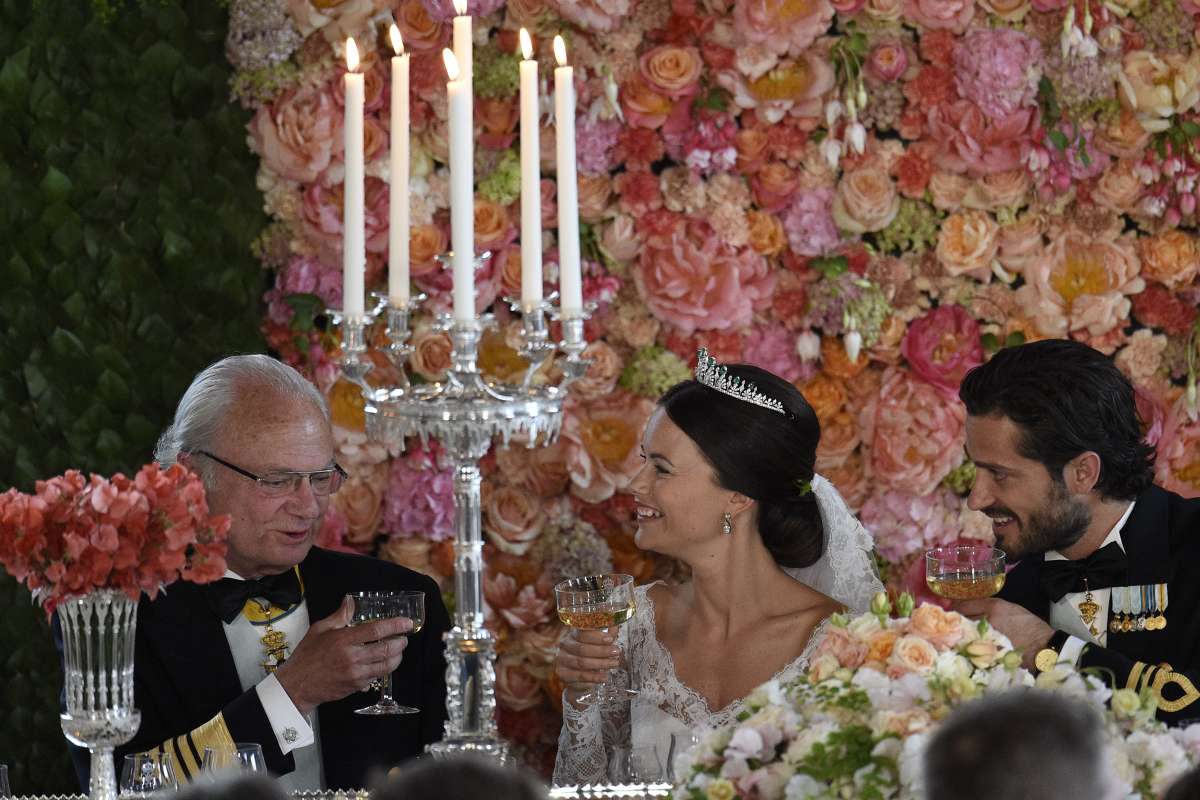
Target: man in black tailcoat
(1108,577)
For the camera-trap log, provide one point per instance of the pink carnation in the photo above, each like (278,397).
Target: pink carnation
(420,499)
(691,279)
(774,349)
(942,346)
(809,223)
(918,435)
(594,144)
(976,145)
(905,524)
(998,70)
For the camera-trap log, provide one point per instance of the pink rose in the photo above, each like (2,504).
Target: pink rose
(887,61)
(692,280)
(512,518)
(322,216)
(361,502)
(866,200)
(601,376)
(516,688)
(431,353)
(499,589)
(848,649)
(952,15)
(672,71)
(918,436)
(296,134)
(942,346)
(973,144)
(1081,283)
(781,26)
(911,654)
(602,439)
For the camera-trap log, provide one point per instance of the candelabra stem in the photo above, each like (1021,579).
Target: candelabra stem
(468,548)
(102,785)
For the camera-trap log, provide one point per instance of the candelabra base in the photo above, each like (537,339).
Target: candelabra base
(482,746)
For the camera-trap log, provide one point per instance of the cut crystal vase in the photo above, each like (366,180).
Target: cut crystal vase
(98,631)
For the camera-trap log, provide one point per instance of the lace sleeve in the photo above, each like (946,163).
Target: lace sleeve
(588,734)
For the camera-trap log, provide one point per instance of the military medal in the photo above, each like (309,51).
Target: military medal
(1156,604)
(1120,607)
(274,643)
(1088,609)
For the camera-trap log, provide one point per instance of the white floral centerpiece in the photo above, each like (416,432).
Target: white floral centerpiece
(857,723)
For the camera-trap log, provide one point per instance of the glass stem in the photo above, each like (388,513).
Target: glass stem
(385,691)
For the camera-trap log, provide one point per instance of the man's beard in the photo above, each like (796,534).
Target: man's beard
(1058,524)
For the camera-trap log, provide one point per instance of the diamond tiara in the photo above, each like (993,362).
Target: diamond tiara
(715,376)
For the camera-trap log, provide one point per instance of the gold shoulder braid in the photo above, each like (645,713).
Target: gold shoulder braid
(262,614)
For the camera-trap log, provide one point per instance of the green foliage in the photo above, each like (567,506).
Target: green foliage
(127,208)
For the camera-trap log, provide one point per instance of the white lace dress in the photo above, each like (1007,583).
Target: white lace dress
(663,705)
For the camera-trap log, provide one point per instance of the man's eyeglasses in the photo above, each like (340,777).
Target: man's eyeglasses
(278,484)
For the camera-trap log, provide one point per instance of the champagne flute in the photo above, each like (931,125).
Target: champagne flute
(241,757)
(371,606)
(594,602)
(5,789)
(964,572)
(145,773)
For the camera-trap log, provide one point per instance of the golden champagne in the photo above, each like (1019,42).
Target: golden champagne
(595,616)
(965,585)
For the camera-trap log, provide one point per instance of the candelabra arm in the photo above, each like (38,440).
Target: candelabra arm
(536,347)
(574,366)
(354,361)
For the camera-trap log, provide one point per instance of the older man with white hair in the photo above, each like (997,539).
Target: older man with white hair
(268,654)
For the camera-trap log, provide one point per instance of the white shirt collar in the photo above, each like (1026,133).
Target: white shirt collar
(1114,535)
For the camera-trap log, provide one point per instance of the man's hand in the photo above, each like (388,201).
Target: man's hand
(1028,633)
(334,660)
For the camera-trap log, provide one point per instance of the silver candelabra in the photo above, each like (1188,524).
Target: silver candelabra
(465,413)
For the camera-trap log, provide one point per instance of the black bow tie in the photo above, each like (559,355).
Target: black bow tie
(230,594)
(1101,570)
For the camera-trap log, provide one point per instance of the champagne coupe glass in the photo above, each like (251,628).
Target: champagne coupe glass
(964,572)
(681,743)
(145,773)
(5,789)
(371,606)
(644,764)
(241,757)
(594,602)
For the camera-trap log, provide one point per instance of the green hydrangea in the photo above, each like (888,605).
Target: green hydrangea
(503,184)
(652,371)
(961,478)
(914,229)
(869,310)
(497,74)
(256,87)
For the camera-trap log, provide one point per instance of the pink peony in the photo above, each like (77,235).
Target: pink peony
(781,26)
(595,141)
(951,15)
(602,444)
(1177,467)
(794,87)
(809,223)
(976,145)
(516,687)
(918,434)
(598,16)
(1081,283)
(906,524)
(942,346)
(998,70)
(296,134)
(692,280)
(420,499)
(774,349)
(322,216)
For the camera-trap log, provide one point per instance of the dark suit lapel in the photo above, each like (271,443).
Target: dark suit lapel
(324,588)
(1146,540)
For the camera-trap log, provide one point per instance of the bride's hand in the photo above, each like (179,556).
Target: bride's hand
(586,656)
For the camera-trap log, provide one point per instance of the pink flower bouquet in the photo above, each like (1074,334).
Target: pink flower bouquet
(76,534)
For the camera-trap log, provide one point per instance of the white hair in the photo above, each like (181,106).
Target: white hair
(204,407)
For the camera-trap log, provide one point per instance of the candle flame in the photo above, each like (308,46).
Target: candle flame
(397,41)
(526,45)
(460,7)
(351,56)
(560,51)
(451,63)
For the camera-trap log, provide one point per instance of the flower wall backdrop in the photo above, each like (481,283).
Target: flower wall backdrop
(866,196)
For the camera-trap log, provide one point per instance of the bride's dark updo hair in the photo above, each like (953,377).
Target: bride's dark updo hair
(761,453)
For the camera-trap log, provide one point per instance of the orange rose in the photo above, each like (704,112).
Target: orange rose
(346,406)
(431,354)
(836,364)
(766,233)
(497,117)
(674,71)
(839,438)
(850,480)
(594,194)
(943,628)
(826,395)
(911,654)
(602,373)
(866,200)
(1170,257)
(644,106)
(425,244)
(967,244)
(420,32)
(880,645)
(751,144)
(493,228)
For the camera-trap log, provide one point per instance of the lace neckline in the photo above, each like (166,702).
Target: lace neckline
(731,709)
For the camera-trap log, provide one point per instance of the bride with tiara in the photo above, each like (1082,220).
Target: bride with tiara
(728,488)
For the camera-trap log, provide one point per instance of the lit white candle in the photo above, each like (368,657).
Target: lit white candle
(464,53)
(462,195)
(569,275)
(398,220)
(354,254)
(531,180)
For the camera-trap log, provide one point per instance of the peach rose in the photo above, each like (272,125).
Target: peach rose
(595,192)
(943,628)
(512,518)
(839,438)
(826,395)
(983,653)
(295,134)
(619,239)
(421,34)
(848,649)
(425,244)
(1007,189)
(1020,243)
(751,145)
(516,688)
(774,184)
(1157,87)
(1122,136)
(967,244)
(493,226)
(1170,257)
(911,654)
(525,13)
(671,70)
(361,502)
(1007,10)
(602,439)
(643,106)
(903,723)
(918,434)
(951,15)
(948,190)
(1081,283)
(822,667)
(431,354)
(601,376)
(880,645)
(866,200)
(884,10)
(767,236)
(497,120)
(1120,187)
(541,470)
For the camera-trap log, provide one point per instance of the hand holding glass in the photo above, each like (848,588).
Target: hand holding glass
(964,572)
(596,602)
(372,606)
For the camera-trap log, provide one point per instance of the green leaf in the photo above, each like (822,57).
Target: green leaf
(830,266)
(14,78)
(1058,139)
(56,186)
(66,344)
(113,389)
(307,307)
